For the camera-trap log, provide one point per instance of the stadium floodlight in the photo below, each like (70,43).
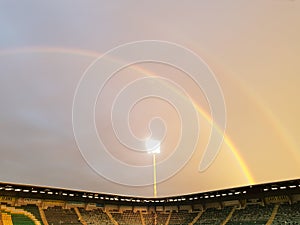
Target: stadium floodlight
(153,146)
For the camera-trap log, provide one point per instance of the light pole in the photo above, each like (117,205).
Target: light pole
(154,176)
(153,147)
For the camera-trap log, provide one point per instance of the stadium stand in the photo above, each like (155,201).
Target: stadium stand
(251,214)
(288,214)
(6,219)
(58,216)
(17,216)
(182,218)
(127,217)
(149,218)
(34,210)
(261,206)
(161,218)
(21,219)
(95,217)
(213,216)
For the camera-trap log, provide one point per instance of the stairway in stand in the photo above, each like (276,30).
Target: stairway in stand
(196,218)
(79,216)
(43,217)
(272,217)
(111,218)
(168,220)
(142,218)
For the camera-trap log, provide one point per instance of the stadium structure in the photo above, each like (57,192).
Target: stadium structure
(273,203)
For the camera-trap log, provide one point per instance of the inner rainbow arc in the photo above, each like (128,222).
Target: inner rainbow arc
(87,53)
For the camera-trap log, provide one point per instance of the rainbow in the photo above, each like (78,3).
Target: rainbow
(87,53)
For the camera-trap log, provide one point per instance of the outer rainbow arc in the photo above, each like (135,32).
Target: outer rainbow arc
(94,54)
(270,116)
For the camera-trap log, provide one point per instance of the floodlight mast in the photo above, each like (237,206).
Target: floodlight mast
(156,150)
(154,176)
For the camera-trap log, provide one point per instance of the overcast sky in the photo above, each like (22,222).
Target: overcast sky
(252,47)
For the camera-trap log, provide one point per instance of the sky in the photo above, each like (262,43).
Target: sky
(60,128)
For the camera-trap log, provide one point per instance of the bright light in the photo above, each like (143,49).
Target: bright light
(153,146)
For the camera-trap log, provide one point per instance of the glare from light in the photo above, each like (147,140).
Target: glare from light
(153,146)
